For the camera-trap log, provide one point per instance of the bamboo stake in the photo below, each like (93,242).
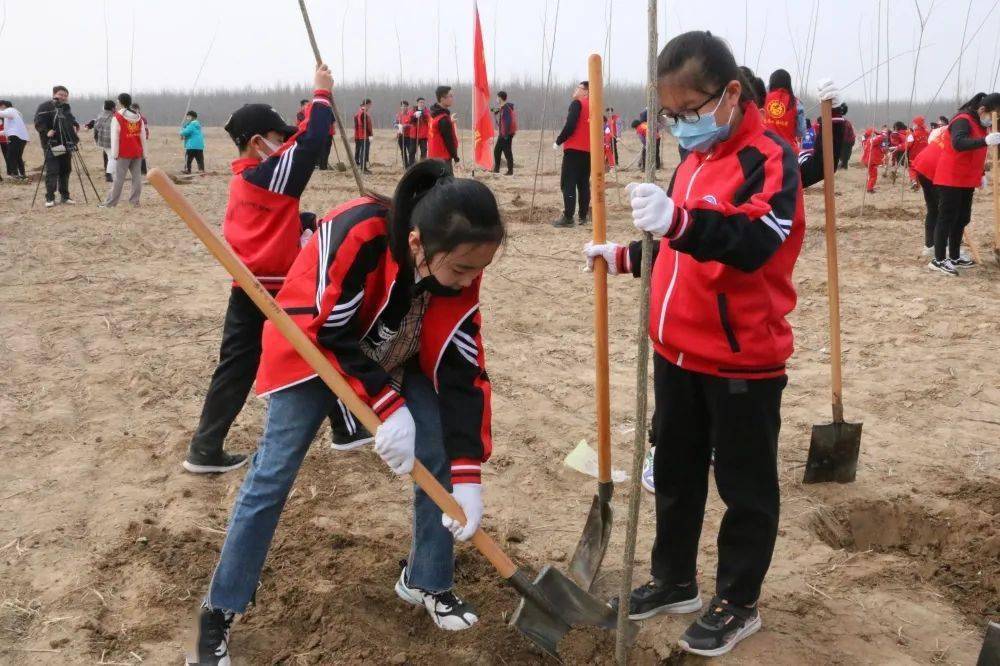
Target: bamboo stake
(333,104)
(642,362)
(996,193)
(545,104)
(197,77)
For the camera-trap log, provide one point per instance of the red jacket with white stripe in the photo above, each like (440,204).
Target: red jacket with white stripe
(343,289)
(262,222)
(722,275)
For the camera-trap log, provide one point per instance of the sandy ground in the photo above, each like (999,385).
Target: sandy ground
(110,328)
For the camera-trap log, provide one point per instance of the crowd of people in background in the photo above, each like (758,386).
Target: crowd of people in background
(423,131)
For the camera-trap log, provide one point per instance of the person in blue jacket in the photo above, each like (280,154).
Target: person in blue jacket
(194,142)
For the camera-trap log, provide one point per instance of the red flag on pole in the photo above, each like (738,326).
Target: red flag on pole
(482,122)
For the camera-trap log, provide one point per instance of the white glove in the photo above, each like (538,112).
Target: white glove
(470,497)
(304,238)
(652,209)
(555,146)
(993,139)
(826,89)
(394,441)
(606,250)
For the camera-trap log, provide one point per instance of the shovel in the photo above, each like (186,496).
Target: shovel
(552,603)
(597,530)
(834,447)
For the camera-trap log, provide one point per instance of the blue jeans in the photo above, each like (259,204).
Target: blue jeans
(294,415)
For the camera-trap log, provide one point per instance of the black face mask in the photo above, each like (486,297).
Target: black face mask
(431,285)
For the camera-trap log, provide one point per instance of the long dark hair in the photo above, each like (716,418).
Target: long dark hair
(447,211)
(991,101)
(712,63)
(780,80)
(756,84)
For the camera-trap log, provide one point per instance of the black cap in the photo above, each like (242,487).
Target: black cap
(253,119)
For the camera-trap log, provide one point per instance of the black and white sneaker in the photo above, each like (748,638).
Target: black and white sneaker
(944,266)
(349,434)
(217,464)
(655,598)
(720,628)
(963,262)
(445,608)
(213,639)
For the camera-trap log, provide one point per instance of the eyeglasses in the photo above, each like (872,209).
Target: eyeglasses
(692,116)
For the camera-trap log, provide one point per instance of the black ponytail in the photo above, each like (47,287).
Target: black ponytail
(972,106)
(707,62)
(447,211)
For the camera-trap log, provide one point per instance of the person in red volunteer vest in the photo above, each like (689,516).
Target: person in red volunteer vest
(264,227)
(783,112)
(574,178)
(128,146)
(916,142)
(389,292)
(363,135)
(442,137)
(959,171)
(421,122)
(731,226)
(404,132)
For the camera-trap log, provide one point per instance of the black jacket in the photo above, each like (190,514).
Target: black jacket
(60,118)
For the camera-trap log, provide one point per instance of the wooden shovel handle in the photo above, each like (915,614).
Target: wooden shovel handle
(833,278)
(602,390)
(314,357)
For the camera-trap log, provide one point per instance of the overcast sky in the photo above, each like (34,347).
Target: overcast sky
(263,42)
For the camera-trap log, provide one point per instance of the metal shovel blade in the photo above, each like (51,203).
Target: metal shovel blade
(990,654)
(833,453)
(594,541)
(553,604)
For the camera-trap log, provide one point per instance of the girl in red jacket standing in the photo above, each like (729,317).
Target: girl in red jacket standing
(389,292)
(873,156)
(730,225)
(959,172)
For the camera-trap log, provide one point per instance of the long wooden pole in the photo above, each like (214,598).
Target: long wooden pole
(996,192)
(832,272)
(602,389)
(545,104)
(333,105)
(315,358)
(642,355)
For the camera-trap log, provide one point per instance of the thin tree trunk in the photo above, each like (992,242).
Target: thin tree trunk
(545,104)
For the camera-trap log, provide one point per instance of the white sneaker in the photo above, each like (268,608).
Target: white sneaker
(446,610)
(69,202)
(944,266)
(647,471)
(50,204)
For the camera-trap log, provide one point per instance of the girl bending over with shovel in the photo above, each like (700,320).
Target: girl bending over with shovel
(730,227)
(389,292)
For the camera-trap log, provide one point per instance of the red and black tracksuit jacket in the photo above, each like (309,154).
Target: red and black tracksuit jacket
(722,275)
(345,288)
(262,222)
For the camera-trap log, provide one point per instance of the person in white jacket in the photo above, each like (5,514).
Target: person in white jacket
(17,136)
(128,146)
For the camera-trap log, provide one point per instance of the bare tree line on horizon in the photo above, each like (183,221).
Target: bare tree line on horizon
(167,107)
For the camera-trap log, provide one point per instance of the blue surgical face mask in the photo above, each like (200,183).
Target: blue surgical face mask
(704,133)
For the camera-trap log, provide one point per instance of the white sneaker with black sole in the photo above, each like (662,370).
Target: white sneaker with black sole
(445,608)
(943,266)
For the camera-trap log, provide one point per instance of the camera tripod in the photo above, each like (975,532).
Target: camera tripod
(77,162)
